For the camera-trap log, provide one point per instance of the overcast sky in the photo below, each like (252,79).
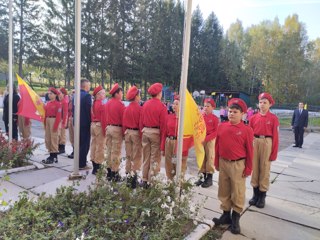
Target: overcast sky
(254,11)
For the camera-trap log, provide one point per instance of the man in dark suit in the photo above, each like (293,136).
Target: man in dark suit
(299,123)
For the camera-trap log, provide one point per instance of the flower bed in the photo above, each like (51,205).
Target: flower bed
(108,211)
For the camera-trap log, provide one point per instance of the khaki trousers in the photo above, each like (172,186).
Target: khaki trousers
(114,140)
(151,153)
(170,156)
(62,136)
(25,130)
(133,150)
(232,186)
(51,138)
(261,163)
(208,162)
(71,130)
(98,143)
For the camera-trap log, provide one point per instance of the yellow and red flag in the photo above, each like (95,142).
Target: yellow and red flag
(194,128)
(30,105)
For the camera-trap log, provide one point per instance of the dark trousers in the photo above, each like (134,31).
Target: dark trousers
(298,135)
(14,128)
(84,146)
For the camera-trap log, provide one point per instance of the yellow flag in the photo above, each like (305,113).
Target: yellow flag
(306,106)
(194,125)
(213,93)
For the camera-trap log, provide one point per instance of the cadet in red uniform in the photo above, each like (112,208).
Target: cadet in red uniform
(265,126)
(98,139)
(70,124)
(233,160)
(169,142)
(64,100)
(152,125)
(130,124)
(113,122)
(52,124)
(212,122)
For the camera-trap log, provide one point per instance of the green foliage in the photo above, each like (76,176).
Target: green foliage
(15,154)
(107,211)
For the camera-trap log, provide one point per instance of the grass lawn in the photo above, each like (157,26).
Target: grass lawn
(313,122)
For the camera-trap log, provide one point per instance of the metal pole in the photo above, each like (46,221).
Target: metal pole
(77,76)
(10,64)
(183,85)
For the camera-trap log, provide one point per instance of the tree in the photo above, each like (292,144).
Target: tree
(4,25)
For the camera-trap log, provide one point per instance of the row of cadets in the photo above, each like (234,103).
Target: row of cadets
(212,121)
(52,123)
(98,139)
(169,142)
(114,135)
(132,137)
(70,123)
(64,100)
(152,125)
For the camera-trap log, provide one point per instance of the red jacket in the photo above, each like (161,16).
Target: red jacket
(53,109)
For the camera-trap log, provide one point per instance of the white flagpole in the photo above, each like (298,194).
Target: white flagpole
(10,64)
(183,84)
(75,174)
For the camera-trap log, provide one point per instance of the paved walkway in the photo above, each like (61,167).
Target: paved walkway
(292,206)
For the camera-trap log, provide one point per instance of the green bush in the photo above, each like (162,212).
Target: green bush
(107,211)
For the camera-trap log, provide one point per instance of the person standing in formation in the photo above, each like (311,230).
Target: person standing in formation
(130,124)
(98,139)
(169,143)
(70,124)
(113,122)
(64,100)
(152,125)
(265,126)
(233,160)
(212,121)
(52,124)
(299,124)
(24,125)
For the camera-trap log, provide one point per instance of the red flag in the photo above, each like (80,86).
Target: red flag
(30,105)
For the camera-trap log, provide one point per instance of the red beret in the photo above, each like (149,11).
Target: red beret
(211,101)
(132,93)
(267,96)
(238,102)
(53,90)
(64,91)
(114,88)
(176,97)
(96,90)
(155,88)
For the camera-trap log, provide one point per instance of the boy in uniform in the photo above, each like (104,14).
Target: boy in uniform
(265,126)
(233,160)
(64,100)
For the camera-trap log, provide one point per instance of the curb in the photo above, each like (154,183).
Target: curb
(200,230)
(35,165)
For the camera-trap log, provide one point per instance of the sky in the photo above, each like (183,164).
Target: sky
(252,12)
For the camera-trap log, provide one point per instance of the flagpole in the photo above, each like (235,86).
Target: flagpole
(183,85)
(77,76)
(10,59)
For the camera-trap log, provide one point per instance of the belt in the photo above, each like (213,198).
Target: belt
(262,136)
(152,127)
(95,121)
(136,129)
(115,125)
(172,137)
(51,117)
(229,160)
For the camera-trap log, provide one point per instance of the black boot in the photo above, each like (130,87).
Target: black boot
(235,226)
(116,176)
(71,154)
(109,174)
(134,181)
(129,180)
(62,148)
(262,200)
(145,185)
(208,181)
(200,180)
(225,218)
(94,169)
(255,197)
(49,159)
(55,157)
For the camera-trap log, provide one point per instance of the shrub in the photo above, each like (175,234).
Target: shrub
(107,211)
(15,154)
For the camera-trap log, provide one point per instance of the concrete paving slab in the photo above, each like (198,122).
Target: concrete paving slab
(229,236)
(31,179)
(12,192)
(255,225)
(308,174)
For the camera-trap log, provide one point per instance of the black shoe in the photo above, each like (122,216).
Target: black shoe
(255,196)
(262,200)
(145,185)
(208,181)
(201,179)
(295,146)
(61,148)
(134,181)
(71,155)
(235,226)
(109,174)
(95,168)
(49,159)
(225,218)
(300,146)
(116,177)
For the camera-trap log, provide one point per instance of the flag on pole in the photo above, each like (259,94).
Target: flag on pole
(195,126)
(306,106)
(31,105)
